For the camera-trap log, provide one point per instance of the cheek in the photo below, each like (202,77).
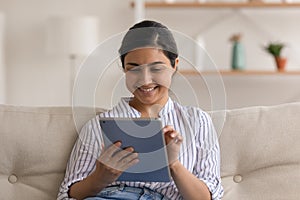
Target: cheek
(130,82)
(163,79)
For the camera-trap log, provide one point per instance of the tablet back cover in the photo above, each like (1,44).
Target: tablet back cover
(145,136)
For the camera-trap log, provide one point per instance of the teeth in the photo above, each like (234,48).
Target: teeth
(147,90)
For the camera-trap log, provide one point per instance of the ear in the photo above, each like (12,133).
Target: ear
(176,64)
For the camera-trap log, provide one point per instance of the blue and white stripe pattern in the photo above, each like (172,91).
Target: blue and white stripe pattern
(199,151)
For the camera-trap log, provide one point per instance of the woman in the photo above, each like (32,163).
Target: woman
(149,58)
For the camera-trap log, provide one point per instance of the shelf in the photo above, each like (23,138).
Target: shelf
(219,5)
(238,73)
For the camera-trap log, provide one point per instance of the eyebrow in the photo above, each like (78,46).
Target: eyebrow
(150,64)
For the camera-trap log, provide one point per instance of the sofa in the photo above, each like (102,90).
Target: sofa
(260,150)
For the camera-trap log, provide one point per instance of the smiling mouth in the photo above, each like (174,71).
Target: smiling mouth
(146,90)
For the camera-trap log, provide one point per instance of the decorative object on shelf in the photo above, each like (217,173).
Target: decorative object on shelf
(275,48)
(238,55)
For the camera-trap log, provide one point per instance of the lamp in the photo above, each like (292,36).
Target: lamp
(72,37)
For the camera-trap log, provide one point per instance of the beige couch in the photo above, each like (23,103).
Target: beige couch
(260,151)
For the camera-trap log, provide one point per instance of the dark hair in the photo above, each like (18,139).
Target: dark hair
(149,34)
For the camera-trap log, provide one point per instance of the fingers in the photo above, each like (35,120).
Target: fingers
(126,158)
(178,139)
(173,142)
(168,128)
(110,151)
(117,158)
(171,135)
(128,161)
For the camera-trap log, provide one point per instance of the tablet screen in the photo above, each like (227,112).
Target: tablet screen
(146,137)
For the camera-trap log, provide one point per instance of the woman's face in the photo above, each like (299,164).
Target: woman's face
(148,75)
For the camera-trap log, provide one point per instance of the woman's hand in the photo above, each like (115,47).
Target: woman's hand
(173,141)
(113,161)
(109,166)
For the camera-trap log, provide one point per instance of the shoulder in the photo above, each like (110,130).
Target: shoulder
(91,125)
(192,111)
(95,121)
(116,111)
(120,110)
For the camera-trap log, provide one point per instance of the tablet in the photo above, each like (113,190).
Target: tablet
(146,137)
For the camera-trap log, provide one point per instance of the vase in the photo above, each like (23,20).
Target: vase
(238,56)
(280,63)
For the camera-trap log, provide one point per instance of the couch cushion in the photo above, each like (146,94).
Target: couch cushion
(34,148)
(260,153)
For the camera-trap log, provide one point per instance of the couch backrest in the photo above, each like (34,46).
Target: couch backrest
(260,151)
(35,144)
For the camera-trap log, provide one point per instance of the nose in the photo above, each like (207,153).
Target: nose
(145,77)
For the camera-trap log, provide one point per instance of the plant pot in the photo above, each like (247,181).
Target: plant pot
(280,63)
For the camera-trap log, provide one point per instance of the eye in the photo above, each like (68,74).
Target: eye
(156,69)
(134,69)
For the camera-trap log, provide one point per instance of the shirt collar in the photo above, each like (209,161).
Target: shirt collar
(169,106)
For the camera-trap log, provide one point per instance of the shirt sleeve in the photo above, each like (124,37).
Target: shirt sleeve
(83,157)
(207,167)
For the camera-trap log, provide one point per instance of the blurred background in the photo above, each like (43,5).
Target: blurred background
(44,42)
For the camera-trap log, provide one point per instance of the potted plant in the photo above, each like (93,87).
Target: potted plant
(275,50)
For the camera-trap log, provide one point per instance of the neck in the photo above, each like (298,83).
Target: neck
(147,110)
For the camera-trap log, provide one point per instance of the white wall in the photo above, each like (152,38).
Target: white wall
(35,78)
(2,64)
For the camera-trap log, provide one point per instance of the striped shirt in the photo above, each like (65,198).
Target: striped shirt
(199,151)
